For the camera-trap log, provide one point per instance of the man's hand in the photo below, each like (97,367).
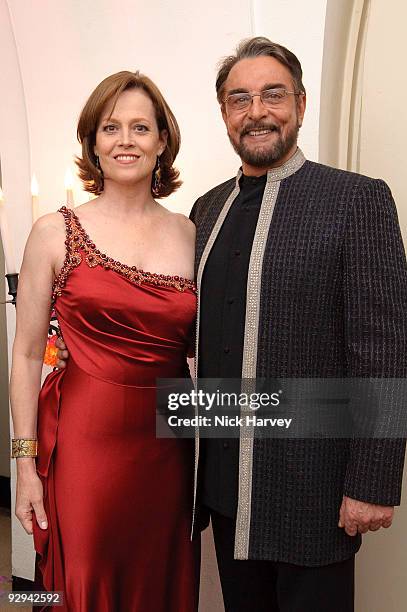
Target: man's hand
(62,354)
(357,516)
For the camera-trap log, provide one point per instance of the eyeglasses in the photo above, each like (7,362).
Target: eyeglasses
(269,97)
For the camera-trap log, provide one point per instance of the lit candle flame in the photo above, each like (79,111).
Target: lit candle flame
(34,187)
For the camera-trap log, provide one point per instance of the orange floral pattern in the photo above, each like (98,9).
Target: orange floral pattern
(51,352)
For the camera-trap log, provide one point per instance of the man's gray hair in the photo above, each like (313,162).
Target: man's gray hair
(257,47)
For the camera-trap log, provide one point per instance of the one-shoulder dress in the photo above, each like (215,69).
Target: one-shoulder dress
(118,499)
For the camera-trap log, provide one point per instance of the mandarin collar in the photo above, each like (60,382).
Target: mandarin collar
(291,166)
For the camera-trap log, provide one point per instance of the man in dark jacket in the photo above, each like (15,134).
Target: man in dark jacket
(301,273)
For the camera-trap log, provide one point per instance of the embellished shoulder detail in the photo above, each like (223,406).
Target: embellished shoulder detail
(72,258)
(79,246)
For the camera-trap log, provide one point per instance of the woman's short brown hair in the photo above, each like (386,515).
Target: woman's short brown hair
(108,91)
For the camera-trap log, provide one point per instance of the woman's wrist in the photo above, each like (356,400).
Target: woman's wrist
(26,465)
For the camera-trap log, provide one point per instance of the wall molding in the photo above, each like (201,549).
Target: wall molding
(342,74)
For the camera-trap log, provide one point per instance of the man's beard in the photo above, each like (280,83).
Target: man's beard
(265,155)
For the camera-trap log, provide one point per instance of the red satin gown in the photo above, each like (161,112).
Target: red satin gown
(118,499)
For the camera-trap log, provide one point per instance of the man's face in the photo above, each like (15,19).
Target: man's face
(263,137)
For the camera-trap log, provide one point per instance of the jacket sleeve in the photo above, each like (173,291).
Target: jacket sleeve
(375,309)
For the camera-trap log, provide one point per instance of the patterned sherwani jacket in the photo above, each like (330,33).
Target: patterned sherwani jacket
(326,297)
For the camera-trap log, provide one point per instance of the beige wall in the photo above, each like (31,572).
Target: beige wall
(383,130)
(362,128)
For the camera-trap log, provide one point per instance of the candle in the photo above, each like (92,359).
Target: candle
(35,202)
(6,238)
(69,188)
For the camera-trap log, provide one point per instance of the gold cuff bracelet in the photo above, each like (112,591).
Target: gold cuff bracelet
(24,447)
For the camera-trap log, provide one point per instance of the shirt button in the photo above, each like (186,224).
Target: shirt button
(237,253)
(226,445)
(247,209)
(226,349)
(230,300)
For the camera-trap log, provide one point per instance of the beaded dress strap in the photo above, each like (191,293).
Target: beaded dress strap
(79,246)
(72,255)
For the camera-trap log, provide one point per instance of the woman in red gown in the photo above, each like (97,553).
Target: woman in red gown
(109,503)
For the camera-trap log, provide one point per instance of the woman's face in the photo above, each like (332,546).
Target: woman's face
(128,142)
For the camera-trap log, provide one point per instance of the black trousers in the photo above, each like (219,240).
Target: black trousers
(268,586)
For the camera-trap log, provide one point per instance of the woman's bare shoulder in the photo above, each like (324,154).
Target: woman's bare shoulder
(47,239)
(185,224)
(181,223)
(50,222)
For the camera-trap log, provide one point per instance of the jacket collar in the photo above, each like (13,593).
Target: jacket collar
(281,172)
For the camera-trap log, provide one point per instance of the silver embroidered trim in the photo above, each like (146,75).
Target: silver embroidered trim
(202,263)
(249,366)
(290,167)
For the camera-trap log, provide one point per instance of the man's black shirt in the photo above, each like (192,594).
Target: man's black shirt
(221,336)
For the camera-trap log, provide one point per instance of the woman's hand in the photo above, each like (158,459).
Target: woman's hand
(62,354)
(29,498)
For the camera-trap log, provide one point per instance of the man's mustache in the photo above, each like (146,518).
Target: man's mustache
(259,126)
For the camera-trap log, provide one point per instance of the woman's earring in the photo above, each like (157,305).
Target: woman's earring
(101,176)
(157,177)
